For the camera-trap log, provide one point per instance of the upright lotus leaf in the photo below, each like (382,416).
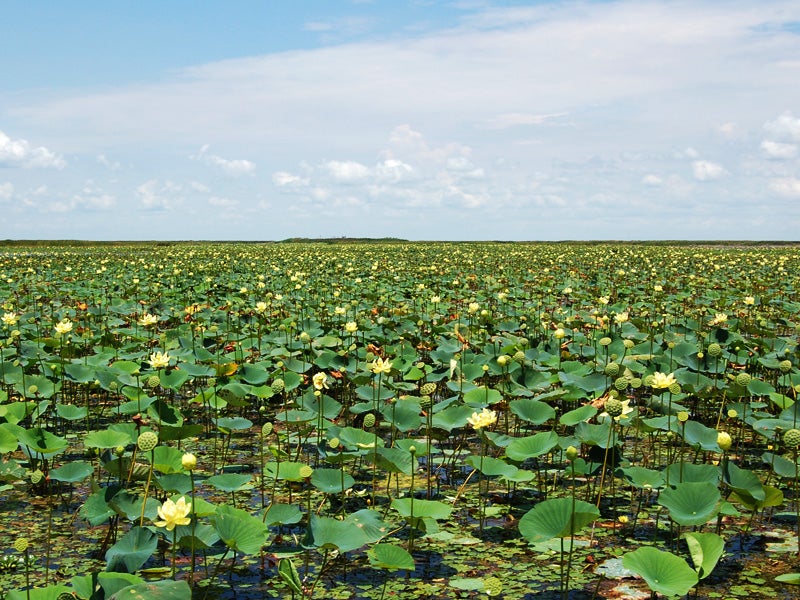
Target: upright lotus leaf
(688,472)
(132,550)
(239,530)
(532,446)
(556,518)
(39,440)
(422,514)
(51,592)
(167,459)
(782,466)
(173,379)
(403,414)
(229,424)
(482,396)
(165,413)
(72,472)
(772,497)
(395,460)
(282,514)
(745,483)
(532,410)
(705,549)
(578,415)
(86,586)
(691,503)
(231,482)
(288,572)
(643,478)
(287,470)
(357,530)
(106,438)
(70,412)
(452,417)
(698,435)
(331,481)
(390,557)
(595,435)
(492,467)
(8,440)
(664,572)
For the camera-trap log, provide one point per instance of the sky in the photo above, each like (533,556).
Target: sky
(418,119)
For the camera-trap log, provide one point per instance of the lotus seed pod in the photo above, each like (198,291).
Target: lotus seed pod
(621,383)
(305,338)
(266,429)
(493,586)
(502,360)
(648,381)
(306,471)
(21,544)
(425,402)
(36,476)
(119,451)
(785,366)
(147,441)
(523,342)
(792,438)
(612,369)
(732,413)
(369,420)
(333,443)
(675,388)
(714,350)
(428,389)
(636,383)
(628,344)
(65,596)
(33,390)
(572,453)
(743,379)
(605,341)
(724,440)
(278,386)
(189,461)
(519,356)
(212,381)
(153,381)
(683,416)
(614,407)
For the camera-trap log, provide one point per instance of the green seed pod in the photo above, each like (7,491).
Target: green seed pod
(278,386)
(428,389)
(266,429)
(21,544)
(612,369)
(743,379)
(621,383)
(792,438)
(785,366)
(333,443)
(153,381)
(636,383)
(628,344)
(519,356)
(36,476)
(605,341)
(147,441)
(614,407)
(493,586)
(714,350)
(306,471)
(369,420)
(572,453)
(675,388)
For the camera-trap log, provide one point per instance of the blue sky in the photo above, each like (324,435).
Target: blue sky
(467,120)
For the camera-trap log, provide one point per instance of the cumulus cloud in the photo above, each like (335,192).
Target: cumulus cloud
(705,170)
(787,186)
(222,202)
(346,171)
(778,150)
(154,195)
(234,168)
(785,127)
(103,160)
(652,180)
(19,153)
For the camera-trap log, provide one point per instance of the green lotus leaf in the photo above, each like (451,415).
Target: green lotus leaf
(664,572)
(691,503)
(556,517)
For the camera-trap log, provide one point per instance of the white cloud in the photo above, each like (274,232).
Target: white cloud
(393,171)
(778,150)
(346,171)
(103,160)
(6,191)
(787,186)
(234,168)
(786,127)
(705,170)
(19,153)
(156,196)
(652,180)
(284,179)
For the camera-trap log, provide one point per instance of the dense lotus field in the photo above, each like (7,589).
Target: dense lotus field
(399,420)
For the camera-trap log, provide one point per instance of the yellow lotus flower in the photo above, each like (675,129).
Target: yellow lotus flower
(174,513)
(351,327)
(662,381)
(320,381)
(485,418)
(64,326)
(10,319)
(261,307)
(380,366)
(749,300)
(159,360)
(147,320)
